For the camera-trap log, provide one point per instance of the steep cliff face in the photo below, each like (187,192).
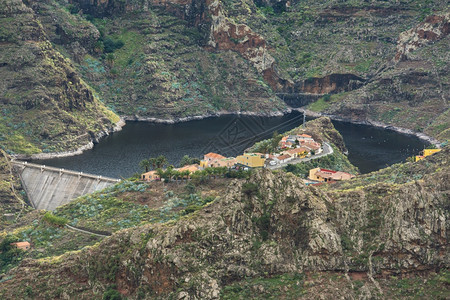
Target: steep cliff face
(46,106)
(412,90)
(271,224)
(227,35)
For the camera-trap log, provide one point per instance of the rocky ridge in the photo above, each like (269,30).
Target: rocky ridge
(269,225)
(46,105)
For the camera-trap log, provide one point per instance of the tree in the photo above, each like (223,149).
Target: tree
(160,172)
(145,164)
(152,161)
(176,175)
(276,138)
(161,161)
(186,174)
(187,160)
(168,174)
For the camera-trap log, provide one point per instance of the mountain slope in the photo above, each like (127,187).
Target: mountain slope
(268,225)
(46,106)
(381,62)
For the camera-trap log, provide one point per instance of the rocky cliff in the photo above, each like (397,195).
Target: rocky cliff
(384,62)
(366,230)
(46,105)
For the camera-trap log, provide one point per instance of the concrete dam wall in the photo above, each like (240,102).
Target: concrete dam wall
(49,187)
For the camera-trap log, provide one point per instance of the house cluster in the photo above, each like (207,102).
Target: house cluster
(294,146)
(185,171)
(289,148)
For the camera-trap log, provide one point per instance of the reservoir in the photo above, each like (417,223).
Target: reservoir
(119,154)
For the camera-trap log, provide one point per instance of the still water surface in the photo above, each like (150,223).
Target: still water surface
(119,154)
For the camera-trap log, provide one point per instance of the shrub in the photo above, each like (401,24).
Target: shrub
(111,45)
(111,294)
(54,220)
(249,189)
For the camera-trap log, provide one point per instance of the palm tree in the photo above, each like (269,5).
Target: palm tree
(161,161)
(169,173)
(160,172)
(209,172)
(186,174)
(176,174)
(152,161)
(145,164)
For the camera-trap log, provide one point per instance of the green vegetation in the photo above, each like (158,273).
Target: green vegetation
(115,207)
(10,256)
(187,160)
(112,294)
(286,286)
(54,220)
(325,102)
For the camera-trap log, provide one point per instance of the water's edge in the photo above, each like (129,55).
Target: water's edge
(377,124)
(118,126)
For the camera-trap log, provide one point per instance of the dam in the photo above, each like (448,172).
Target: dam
(50,187)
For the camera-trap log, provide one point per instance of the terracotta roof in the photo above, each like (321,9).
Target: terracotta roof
(281,157)
(305,135)
(335,175)
(297,150)
(311,145)
(213,155)
(190,168)
(22,245)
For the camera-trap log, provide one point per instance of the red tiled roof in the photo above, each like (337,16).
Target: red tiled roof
(281,157)
(297,150)
(213,155)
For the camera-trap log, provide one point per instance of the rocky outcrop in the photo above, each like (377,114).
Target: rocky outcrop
(227,35)
(267,225)
(333,83)
(44,101)
(432,29)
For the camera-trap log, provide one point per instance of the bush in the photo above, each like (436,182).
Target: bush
(54,220)
(111,294)
(111,45)
(249,189)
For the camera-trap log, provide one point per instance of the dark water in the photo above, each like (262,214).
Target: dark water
(119,154)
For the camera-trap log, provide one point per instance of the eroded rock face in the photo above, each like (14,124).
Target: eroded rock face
(227,35)
(434,28)
(333,83)
(268,225)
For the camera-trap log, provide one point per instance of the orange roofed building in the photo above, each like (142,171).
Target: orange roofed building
(325,175)
(191,168)
(212,160)
(22,245)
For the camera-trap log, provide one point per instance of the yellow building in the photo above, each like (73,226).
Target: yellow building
(427,152)
(150,176)
(251,160)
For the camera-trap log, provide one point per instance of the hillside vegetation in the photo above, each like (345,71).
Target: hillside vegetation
(383,234)
(61,60)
